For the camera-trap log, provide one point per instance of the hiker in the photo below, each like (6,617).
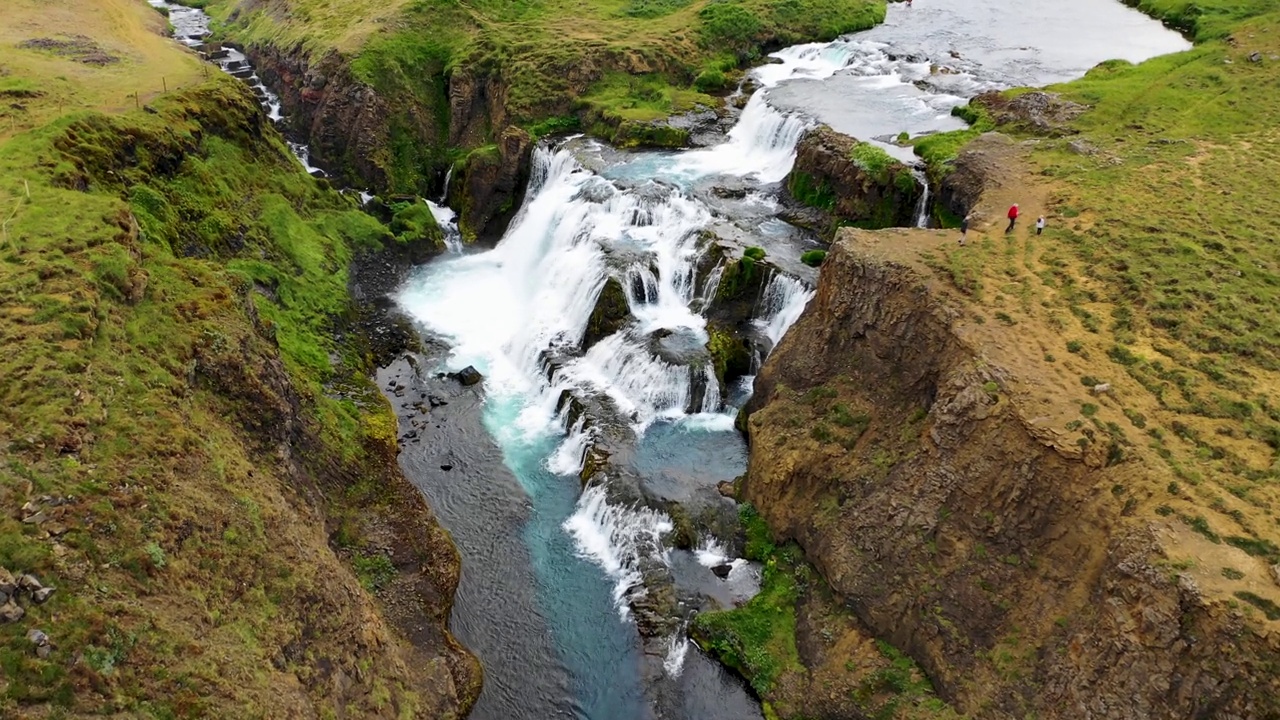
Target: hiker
(964,228)
(1013,217)
(1040,225)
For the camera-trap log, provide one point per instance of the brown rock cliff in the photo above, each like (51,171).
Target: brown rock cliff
(963,532)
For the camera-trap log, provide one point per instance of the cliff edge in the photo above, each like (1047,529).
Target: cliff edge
(959,528)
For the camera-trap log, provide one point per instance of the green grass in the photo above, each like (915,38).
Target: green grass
(614,64)
(171,283)
(813,258)
(1162,252)
(758,639)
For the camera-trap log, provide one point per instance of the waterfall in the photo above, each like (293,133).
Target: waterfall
(762,145)
(448,176)
(617,538)
(447,219)
(519,312)
(922,209)
(567,459)
(710,287)
(711,399)
(677,648)
(784,299)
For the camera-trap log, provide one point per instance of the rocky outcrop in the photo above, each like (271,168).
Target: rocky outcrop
(840,181)
(345,122)
(392,140)
(492,183)
(610,314)
(1037,112)
(960,531)
(975,170)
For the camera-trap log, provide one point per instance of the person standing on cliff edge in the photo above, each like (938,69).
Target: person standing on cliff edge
(1013,217)
(1040,225)
(964,228)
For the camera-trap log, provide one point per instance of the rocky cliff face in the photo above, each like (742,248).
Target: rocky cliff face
(840,181)
(344,121)
(492,185)
(386,142)
(960,530)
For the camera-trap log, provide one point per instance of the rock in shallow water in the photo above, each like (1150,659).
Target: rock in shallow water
(467,376)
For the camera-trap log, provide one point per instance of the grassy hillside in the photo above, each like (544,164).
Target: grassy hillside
(544,65)
(1159,274)
(186,453)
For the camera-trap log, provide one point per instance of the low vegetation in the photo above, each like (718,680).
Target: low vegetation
(759,640)
(1159,271)
(171,283)
(616,65)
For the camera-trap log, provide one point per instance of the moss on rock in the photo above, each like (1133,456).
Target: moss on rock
(609,315)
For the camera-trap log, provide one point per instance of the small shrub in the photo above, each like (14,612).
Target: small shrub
(709,80)
(755,253)
(821,433)
(1004,318)
(374,571)
(1088,409)
(813,258)
(1074,346)
(1089,381)
(1232,573)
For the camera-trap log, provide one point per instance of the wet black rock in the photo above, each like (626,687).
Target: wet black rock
(722,570)
(467,376)
(436,401)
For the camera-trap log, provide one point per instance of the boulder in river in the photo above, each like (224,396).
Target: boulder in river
(610,314)
(467,376)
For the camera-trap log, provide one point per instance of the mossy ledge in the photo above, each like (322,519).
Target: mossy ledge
(189,412)
(389,97)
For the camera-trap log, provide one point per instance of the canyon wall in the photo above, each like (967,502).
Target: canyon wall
(962,531)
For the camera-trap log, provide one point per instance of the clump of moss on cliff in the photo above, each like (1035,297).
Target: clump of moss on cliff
(762,641)
(852,183)
(198,450)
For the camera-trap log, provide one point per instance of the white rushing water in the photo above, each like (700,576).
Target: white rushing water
(614,537)
(191,27)
(520,311)
(447,219)
(784,299)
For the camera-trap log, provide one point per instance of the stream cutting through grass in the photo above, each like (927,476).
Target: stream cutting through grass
(550,570)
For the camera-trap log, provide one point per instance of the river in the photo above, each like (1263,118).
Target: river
(550,571)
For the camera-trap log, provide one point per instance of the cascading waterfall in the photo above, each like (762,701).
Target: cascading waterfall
(448,177)
(922,208)
(519,313)
(191,27)
(616,538)
(711,286)
(784,299)
(447,219)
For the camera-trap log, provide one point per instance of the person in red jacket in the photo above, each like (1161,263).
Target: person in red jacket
(1013,217)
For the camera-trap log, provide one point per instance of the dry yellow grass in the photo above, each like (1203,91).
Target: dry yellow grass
(38,85)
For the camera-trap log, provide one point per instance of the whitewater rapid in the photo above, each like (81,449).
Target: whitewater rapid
(519,312)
